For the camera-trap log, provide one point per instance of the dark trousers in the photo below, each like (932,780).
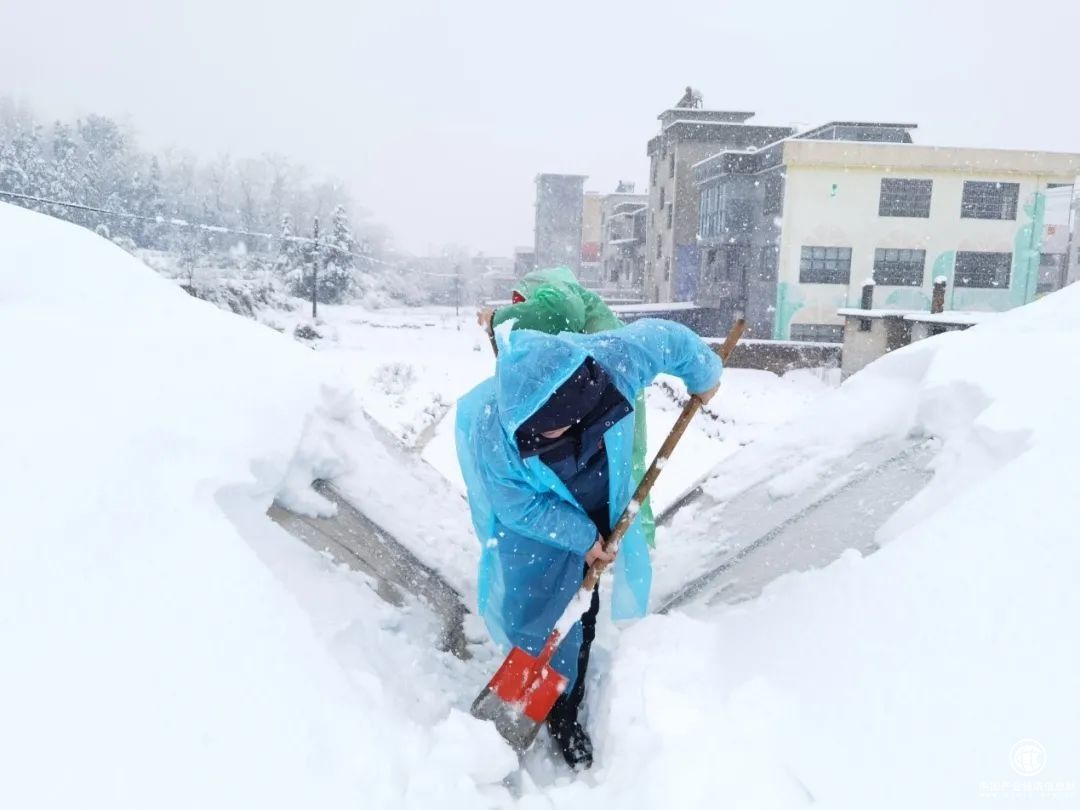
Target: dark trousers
(565,710)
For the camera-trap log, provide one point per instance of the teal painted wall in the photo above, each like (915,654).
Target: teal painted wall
(1023,275)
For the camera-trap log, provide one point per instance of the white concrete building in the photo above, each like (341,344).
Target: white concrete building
(903,215)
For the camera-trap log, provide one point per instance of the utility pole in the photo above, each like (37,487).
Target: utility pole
(457,291)
(315,273)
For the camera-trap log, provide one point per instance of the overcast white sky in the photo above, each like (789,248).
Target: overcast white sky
(439,114)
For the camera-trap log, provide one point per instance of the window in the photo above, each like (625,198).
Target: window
(670,214)
(904,198)
(659,247)
(769,263)
(655,163)
(989,200)
(672,162)
(736,262)
(709,216)
(773,198)
(1052,272)
(739,216)
(825,265)
(979,269)
(899,267)
(662,190)
(817,332)
(667,270)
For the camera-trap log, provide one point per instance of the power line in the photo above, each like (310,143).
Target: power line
(183,223)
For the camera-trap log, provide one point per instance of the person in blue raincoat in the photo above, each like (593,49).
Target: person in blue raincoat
(545,448)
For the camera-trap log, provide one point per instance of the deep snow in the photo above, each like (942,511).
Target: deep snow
(153,653)
(165,645)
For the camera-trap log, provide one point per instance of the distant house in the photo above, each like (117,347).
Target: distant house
(494,276)
(524,260)
(1060,260)
(589,271)
(623,244)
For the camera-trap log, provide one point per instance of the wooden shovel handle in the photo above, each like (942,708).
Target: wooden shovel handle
(662,455)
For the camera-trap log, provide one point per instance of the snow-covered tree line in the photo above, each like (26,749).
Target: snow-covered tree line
(96,161)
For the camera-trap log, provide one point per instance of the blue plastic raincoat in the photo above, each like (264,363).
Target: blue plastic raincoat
(533,533)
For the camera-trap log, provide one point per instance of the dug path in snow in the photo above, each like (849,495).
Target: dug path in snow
(772,535)
(352,538)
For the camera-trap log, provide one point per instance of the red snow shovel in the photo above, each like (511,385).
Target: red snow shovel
(520,696)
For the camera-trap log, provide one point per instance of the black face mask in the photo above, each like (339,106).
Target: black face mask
(588,395)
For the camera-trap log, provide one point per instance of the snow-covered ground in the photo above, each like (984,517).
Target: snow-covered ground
(165,645)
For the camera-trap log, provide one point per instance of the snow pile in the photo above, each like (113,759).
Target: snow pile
(166,646)
(155,654)
(905,678)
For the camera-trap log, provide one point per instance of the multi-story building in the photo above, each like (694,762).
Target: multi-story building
(686,137)
(741,195)
(624,216)
(591,238)
(559,206)
(790,232)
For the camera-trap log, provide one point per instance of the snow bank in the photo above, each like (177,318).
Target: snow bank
(164,645)
(153,656)
(906,678)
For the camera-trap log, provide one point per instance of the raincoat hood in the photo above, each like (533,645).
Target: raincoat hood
(531,366)
(533,533)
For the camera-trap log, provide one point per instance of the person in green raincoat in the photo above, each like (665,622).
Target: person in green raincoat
(552,300)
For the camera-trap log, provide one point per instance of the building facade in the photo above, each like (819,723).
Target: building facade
(1061,247)
(741,210)
(589,273)
(903,216)
(559,206)
(687,136)
(524,260)
(789,234)
(624,216)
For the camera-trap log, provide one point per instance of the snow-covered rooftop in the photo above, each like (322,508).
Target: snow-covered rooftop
(921,315)
(675,306)
(855,312)
(952,316)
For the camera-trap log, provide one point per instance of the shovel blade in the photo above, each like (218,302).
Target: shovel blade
(520,696)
